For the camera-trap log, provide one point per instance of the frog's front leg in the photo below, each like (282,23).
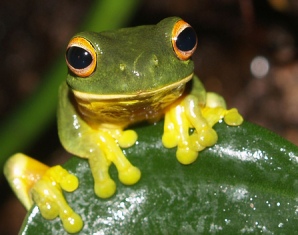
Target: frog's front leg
(187,114)
(179,118)
(34,182)
(109,142)
(100,144)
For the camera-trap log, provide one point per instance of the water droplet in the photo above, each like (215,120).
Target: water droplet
(280,225)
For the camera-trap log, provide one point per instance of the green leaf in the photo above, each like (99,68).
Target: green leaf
(247,183)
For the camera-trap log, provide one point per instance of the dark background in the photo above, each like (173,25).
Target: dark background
(231,34)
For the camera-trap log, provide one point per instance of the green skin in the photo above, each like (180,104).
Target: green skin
(148,65)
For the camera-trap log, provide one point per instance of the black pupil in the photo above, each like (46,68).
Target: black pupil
(187,39)
(78,57)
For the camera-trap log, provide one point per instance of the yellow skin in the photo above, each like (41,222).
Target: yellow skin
(111,88)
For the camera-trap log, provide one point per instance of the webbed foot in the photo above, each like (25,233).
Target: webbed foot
(186,115)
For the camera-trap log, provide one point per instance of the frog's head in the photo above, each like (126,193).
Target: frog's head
(132,63)
(131,60)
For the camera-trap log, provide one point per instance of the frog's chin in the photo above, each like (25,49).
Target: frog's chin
(128,109)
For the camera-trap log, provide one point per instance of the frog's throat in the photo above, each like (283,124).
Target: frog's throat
(124,109)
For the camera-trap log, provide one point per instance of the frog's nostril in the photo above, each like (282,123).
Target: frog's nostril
(122,66)
(154,60)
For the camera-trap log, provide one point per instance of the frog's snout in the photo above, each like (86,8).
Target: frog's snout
(146,59)
(146,63)
(142,64)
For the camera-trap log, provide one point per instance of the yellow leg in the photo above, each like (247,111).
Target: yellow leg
(186,114)
(206,135)
(33,181)
(104,186)
(176,133)
(109,141)
(22,172)
(47,194)
(127,173)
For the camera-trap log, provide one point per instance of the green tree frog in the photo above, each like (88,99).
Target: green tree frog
(116,79)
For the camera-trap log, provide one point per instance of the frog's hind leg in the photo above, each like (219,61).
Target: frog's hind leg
(48,196)
(35,182)
(22,172)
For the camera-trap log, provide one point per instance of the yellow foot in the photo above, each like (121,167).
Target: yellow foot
(109,142)
(187,114)
(233,118)
(33,181)
(47,194)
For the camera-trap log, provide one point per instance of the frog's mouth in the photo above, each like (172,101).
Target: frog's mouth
(126,109)
(139,95)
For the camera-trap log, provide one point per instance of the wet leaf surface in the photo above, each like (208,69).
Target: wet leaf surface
(247,183)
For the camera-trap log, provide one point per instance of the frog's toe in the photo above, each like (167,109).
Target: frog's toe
(72,222)
(67,181)
(186,155)
(233,118)
(169,140)
(48,209)
(207,137)
(128,138)
(105,189)
(129,176)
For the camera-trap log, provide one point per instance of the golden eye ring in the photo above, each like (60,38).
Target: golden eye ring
(80,57)
(184,40)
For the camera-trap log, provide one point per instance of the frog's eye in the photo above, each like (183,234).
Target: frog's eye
(184,40)
(80,57)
